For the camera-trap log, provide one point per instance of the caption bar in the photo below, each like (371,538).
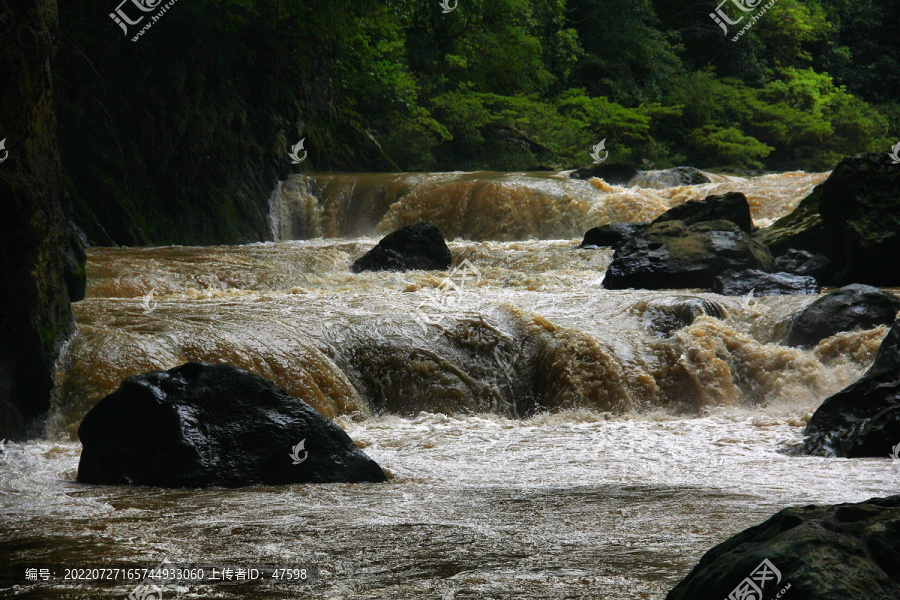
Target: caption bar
(170,573)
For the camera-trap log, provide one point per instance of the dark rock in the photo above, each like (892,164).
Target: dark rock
(854,306)
(201,425)
(668,178)
(674,255)
(801,262)
(823,552)
(662,317)
(863,419)
(800,229)
(860,208)
(612,173)
(415,247)
(35,315)
(733,283)
(611,235)
(730,207)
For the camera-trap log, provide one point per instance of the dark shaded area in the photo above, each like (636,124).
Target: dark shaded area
(202,425)
(864,418)
(823,553)
(41,258)
(730,207)
(760,283)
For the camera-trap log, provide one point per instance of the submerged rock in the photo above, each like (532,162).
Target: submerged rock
(730,207)
(733,283)
(814,552)
(201,425)
(662,317)
(611,235)
(673,255)
(667,178)
(612,173)
(863,419)
(801,262)
(414,247)
(854,306)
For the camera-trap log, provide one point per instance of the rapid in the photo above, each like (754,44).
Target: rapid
(544,437)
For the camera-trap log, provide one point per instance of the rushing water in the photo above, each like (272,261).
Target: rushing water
(544,438)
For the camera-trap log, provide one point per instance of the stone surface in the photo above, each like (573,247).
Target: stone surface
(414,247)
(664,316)
(611,235)
(801,262)
(863,419)
(734,283)
(854,306)
(201,425)
(822,552)
(673,255)
(612,173)
(41,262)
(730,207)
(667,178)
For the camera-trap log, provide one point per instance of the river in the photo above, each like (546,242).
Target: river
(542,438)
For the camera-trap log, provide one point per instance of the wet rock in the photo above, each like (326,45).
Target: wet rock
(667,178)
(821,552)
(853,217)
(611,235)
(863,419)
(40,270)
(201,425)
(664,316)
(730,207)
(801,262)
(733,283)
(612,173)
(414,247)
(860,208)
(854,306)
(673,255)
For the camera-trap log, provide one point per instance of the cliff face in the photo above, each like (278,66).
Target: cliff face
(41,259)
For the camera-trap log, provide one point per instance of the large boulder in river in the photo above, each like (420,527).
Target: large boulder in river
(863,419)
(612,173)
(853,217)
(801,262)
(414,247)
(613,234)
(730,207)
(733,283)
(664,316)
(806,553)
(201,425)
(673,255)
(853,306)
